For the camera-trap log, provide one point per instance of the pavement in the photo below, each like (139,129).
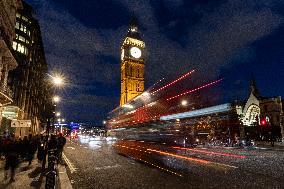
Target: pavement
(100,163)
(29,177)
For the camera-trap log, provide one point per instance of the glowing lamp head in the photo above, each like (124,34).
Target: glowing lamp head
(58,114)
(56,98)
(184,103)
(57,80)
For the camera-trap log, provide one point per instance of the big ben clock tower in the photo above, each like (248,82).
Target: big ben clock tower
(132,64)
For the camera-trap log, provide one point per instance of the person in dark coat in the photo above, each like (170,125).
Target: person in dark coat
(61,141)
(11,151)
(40,149)
(24,148)
(32,147)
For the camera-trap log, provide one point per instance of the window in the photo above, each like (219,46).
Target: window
(21,38)
(137,86)
(14,45)
(25,19)
(138,74)
(131,71)
(23,28)
(22,49)
(18,15)
(17,25)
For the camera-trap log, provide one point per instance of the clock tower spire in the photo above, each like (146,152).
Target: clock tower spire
(132,64)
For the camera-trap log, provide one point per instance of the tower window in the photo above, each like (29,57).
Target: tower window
(130,71)
(138,74)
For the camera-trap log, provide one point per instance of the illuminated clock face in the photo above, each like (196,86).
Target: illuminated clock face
(122,54)
(135,52)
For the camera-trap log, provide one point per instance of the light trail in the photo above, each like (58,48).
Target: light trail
(201,161)
(208,152)
(173,82)
(196,160)
(196,89)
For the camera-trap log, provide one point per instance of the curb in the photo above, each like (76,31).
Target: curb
(64,181)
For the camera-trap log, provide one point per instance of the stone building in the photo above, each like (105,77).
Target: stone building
(265,112)
(28,80)
(8,9)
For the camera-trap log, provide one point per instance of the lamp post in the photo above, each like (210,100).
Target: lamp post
(56,81)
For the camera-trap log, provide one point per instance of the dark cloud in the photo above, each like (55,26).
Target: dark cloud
(221,36)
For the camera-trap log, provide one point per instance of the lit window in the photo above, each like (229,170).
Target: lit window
(23,28)
(17,36)
(29,33)
(22,49)
(14,45)
(18,15)
(17,25)
(25,19)
(21,38)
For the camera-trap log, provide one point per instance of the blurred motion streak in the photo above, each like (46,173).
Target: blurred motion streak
(208,152)
(173,82)
(196,89)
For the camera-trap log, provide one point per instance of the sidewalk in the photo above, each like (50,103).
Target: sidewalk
(30,177)
(26,177)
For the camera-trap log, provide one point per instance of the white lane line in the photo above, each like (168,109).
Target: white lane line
(70,165)
(108,167)
(225,165)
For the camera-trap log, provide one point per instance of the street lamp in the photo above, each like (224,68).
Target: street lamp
(58,81)
(56,98)
(58,114)
(183,102)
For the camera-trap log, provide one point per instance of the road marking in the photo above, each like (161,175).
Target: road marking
(70,165)
(71,147)
(108,167)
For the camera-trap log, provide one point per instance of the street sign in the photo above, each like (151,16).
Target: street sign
(21,123)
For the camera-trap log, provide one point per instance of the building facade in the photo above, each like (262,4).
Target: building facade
(132,65)
(8,62)
(28,80)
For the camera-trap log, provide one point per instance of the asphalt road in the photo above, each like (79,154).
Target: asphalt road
(132,164)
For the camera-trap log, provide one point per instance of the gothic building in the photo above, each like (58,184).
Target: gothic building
(28,80)
(7,60)
(132,64)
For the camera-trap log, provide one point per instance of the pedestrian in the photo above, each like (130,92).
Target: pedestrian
(61,141)
(32,147)
(24,147)
(11,151)
(40,149)
(272,139)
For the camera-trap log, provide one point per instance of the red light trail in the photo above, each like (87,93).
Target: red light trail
(208,152)
(173,82)
(196,89)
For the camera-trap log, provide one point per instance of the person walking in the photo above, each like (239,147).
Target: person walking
(61,141)
(11,151)
(40,149)
(32,147)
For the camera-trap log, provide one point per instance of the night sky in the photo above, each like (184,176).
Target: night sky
(232,39)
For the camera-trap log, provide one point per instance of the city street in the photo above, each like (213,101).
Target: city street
(98,163)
